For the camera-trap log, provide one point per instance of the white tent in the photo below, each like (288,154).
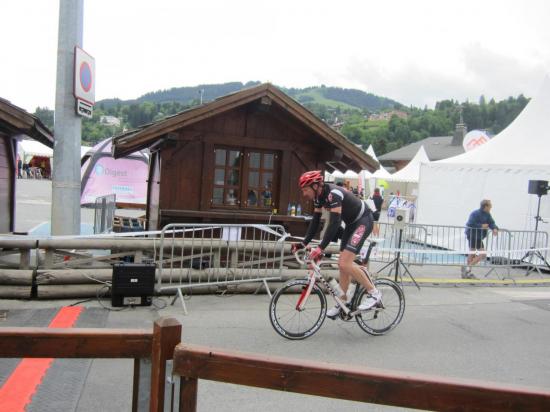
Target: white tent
(27,149)
(381,173)
(498,170)
(350,174)
(84,150)
(405,181)
(411,172)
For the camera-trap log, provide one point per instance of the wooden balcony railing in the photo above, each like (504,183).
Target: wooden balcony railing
(378,386)
(136,344)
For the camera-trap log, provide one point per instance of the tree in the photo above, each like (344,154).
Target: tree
(46,116)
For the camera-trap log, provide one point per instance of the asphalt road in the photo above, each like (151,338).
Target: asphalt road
(498,334)
(33,205)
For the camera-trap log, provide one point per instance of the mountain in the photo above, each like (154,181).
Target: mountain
(345,98)
(328,96)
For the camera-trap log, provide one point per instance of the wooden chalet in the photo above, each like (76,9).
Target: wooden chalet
(237,159)
(15,123)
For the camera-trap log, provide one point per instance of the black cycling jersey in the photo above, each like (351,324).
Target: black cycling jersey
(335,196)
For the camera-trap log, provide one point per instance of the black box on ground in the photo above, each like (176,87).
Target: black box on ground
(133,284)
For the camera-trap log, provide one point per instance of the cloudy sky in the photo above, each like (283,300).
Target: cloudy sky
(416,52)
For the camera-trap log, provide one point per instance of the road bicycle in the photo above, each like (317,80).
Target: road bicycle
(298,308)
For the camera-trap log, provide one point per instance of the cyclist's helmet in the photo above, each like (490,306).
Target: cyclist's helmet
(311,177)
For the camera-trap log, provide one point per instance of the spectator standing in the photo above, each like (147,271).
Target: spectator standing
(477,226)
(378,202)
(19,167)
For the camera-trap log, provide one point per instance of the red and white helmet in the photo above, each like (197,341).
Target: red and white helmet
(311,177)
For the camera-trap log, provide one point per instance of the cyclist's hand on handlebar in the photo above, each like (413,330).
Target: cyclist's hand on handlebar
(296,247)
(316,254)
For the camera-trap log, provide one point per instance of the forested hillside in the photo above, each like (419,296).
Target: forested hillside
(348,108)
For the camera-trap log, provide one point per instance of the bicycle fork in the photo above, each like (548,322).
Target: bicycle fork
(306,291)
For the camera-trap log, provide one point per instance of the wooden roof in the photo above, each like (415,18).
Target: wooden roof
(14,121)
(353,158)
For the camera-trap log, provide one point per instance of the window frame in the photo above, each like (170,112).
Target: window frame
(243,186)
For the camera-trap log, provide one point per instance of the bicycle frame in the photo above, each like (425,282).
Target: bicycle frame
(314,276)
(298,319)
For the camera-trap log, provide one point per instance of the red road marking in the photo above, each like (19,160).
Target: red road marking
(17,391)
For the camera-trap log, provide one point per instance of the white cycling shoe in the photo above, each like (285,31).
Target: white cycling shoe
(372,300)
(333,312)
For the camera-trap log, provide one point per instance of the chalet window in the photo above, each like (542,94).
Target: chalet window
(227,177)
(244,178)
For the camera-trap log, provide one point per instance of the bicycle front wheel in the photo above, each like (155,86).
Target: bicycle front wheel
(385,316)
(293,323)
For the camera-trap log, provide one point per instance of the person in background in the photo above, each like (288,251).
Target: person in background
(477,226)
(19,167)
(378,202)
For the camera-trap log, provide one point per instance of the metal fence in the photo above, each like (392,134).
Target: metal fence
(105,208)
(448,245)
(195,255)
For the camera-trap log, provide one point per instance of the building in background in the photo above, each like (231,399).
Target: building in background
(16,124)
(238,159)
(437,148)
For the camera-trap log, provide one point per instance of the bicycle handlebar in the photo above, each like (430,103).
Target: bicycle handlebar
(305,260)
(298,258)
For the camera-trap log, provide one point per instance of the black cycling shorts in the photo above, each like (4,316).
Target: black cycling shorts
(355,233)
(475,241)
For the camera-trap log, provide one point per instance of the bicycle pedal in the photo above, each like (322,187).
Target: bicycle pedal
(333,317)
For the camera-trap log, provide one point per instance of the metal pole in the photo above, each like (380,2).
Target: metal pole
(66,151)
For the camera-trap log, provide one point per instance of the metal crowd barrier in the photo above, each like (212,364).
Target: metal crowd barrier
(105,208)
(204,255)
(448,245)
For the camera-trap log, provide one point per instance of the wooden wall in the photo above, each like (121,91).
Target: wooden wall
(6,184)
(187,161)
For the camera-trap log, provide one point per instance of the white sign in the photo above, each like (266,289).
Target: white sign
(84,76)
(231,234)
(84,109)
(474,139)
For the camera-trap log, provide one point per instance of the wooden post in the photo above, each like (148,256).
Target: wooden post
(25,258)
(166,335)
(135,386)
(48,262)
(188,394)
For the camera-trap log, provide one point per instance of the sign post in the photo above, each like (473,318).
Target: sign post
(66,150)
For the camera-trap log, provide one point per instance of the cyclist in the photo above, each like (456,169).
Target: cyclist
(356,215)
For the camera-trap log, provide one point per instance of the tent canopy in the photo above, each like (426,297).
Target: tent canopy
(499,170)
(125,177)
(350,174)
(30,148)
(411,172)
(524,142)
(381,173)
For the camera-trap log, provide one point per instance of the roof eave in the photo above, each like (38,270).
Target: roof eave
(129,143)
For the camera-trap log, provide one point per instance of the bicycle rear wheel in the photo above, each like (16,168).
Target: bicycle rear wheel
(385,316)
(290,322)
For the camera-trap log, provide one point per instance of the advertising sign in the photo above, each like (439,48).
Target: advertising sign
(474,139)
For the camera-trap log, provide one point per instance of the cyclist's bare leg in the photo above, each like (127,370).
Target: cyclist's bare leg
(349,268)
